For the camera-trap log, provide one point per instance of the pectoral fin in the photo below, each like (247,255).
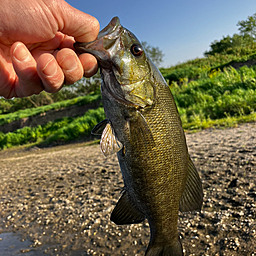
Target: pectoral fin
(126,212)
(192,197)
(109,143)
(99,128)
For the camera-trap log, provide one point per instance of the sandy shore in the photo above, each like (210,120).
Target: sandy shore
(58,200)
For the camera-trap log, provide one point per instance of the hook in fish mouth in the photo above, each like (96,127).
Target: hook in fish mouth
(107,37)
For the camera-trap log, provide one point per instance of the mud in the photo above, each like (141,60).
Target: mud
(57,201)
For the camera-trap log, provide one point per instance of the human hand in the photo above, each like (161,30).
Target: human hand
(36,46)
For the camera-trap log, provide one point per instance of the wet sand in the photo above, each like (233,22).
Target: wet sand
(58,200)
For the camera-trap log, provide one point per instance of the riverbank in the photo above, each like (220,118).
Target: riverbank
(60,199)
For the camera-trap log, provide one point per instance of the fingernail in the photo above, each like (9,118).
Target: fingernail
(20,53)
(69,62)
(50,68)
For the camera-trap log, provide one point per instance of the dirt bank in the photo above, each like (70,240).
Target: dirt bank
(61,199)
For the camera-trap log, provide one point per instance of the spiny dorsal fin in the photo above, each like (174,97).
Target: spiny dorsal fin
(126,212)
(192,197)
(99,128)
(109,143)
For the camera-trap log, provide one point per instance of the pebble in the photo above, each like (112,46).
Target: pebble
(61,199)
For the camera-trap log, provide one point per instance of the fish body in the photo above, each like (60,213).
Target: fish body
(144,128)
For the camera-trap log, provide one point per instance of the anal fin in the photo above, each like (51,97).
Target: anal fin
(126,211)
(192,197)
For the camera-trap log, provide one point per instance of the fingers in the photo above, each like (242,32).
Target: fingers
(66,68)
(7,75)
(28,81)
(89,63)
(48,72)
(70,65)
(34,76)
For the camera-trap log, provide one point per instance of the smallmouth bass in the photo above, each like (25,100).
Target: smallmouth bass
(144,128)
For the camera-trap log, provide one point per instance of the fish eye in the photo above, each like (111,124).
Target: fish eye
(136,50)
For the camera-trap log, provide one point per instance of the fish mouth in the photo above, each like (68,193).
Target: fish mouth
(101,47)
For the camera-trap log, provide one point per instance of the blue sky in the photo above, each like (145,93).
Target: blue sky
(183,29)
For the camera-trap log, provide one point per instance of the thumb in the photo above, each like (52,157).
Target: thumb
(83,27)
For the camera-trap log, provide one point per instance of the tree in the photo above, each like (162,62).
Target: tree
(231,44)
(220,46)
(248,27)
(154,53)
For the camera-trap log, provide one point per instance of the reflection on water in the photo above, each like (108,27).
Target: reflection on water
(11,244)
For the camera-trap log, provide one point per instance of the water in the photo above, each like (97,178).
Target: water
(12,245)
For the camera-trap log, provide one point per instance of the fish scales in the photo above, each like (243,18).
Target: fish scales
(144,128)
(159,172)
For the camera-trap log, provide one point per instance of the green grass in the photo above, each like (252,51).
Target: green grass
(197,68)
(200,123)
(208,93)
(8,118)
(62,130)
(221,94)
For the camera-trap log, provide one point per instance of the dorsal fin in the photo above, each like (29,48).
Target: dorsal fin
(126,211)
(192,197)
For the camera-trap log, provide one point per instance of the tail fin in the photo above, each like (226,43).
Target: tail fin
(169,250)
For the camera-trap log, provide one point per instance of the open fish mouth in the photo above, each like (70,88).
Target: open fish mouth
(125,72)
(107,38)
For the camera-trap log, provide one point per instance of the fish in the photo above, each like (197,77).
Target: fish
(144,129)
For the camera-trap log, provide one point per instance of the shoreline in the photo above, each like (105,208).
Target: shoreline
(60,198)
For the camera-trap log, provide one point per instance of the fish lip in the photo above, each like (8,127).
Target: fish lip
(110,29)
(107,37)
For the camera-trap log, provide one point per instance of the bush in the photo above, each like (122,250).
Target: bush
(83,100)
(232,92)
(62,130)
